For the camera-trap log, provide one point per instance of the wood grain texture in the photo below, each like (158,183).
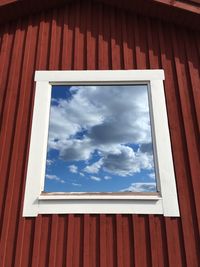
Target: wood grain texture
(95,36)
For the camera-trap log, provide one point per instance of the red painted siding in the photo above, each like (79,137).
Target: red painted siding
(94,36)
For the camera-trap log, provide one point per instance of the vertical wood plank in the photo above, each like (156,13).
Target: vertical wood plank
(119,239)
(70,241)
(103,241)
(86,243)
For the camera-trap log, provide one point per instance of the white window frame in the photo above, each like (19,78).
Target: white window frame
(165,202)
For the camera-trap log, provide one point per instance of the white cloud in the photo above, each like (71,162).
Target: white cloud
(107,177)
(94,168)
(81,174)
(73,168)
(124,118)
(49,162)
(140,187)
(75,149)
(95,178)
(152,175)
(126,162)
(55,178)
(75,184)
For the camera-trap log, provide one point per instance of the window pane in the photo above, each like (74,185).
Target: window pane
(100,140)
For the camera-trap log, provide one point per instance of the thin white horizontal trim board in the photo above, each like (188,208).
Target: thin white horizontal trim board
(165,202)
(100,206)
(99,196)
(99,76)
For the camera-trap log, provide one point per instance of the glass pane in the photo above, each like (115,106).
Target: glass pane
(100,140)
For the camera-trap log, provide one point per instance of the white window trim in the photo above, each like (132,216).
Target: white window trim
(35,202)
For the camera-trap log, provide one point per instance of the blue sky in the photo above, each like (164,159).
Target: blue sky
(100,140)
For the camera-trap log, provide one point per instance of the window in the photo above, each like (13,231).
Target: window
(100,144)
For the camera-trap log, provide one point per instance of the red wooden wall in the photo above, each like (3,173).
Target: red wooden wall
(94,36)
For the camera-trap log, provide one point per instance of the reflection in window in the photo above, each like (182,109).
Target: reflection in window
(100,140)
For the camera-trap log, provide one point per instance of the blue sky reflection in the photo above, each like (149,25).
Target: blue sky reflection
(100,140)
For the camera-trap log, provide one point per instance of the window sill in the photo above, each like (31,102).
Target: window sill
(68,196)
